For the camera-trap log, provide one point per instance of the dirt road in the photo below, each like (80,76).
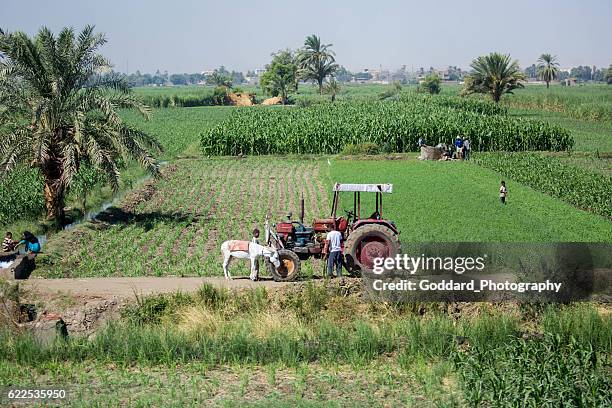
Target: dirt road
(127,287)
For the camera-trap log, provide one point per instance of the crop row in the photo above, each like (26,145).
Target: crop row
(394,126)
(580,187)
(195,206)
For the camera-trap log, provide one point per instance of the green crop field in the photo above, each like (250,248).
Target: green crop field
(200,203)
(178,129)
(394,126)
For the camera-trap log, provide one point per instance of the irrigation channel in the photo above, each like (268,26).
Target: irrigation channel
(89,215)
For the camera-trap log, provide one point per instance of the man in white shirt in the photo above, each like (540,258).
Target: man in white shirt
(334,249)
(255,240)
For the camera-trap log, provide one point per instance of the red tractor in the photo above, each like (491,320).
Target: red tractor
(364,238)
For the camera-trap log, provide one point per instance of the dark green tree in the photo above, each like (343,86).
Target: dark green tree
(58,112)
(431,84)
(548,68)
(494,74)
(316,61)
(332,88)
(281,75)
(219,78)
(608,75)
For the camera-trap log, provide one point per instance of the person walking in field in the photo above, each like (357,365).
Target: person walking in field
(333,249)
(503,192)
(8,245)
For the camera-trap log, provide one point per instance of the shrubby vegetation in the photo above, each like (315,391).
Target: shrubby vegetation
(580,187)
(431,84)
(360,148)
(395,126)
(22,195)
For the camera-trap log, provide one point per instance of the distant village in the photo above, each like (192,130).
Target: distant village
(403,75)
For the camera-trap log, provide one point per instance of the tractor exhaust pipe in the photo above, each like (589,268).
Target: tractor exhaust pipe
(302,209)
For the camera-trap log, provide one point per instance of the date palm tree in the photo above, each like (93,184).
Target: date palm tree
(58,109)
(547,68)
(494,74)
(219,79)
(332,88)
(316,61)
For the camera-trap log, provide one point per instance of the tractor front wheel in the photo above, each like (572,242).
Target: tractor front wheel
(289,268)
(367,243)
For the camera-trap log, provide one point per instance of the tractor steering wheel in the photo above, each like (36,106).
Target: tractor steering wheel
(349,215)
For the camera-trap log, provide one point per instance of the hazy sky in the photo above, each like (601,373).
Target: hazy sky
(189,36)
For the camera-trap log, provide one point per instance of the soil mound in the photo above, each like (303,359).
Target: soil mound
(273,101)
(241,99)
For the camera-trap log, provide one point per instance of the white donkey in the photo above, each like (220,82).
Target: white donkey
(246,249)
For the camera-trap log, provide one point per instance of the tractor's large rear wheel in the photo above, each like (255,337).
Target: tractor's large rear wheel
(289,268)
(367,243)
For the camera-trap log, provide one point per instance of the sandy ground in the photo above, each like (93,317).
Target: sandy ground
(127,287)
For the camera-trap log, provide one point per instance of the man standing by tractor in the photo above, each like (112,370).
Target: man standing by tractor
(333,249)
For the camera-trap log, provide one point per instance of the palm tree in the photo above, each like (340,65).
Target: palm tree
(218,79)
(332,88)
(316,61)
(494,74)
(548,68)
(58,110)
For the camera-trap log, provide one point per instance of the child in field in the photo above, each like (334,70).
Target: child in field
(8,244)
(503,192)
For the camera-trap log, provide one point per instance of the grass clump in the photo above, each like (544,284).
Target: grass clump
(360,149)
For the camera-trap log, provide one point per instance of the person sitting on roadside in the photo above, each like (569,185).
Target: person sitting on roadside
(8,245)
(30,242)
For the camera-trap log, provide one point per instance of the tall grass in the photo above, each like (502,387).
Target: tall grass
(563,362)
(591,102)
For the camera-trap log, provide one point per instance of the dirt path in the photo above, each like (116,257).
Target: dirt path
(127,287)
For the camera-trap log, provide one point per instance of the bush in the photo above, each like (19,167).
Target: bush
(22,195)
(360,149)
(220,96)
(580,187)
(431,84)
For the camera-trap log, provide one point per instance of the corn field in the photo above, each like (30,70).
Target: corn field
(580,187)
(394,126)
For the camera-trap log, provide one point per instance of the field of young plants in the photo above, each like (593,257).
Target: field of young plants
(178,229)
